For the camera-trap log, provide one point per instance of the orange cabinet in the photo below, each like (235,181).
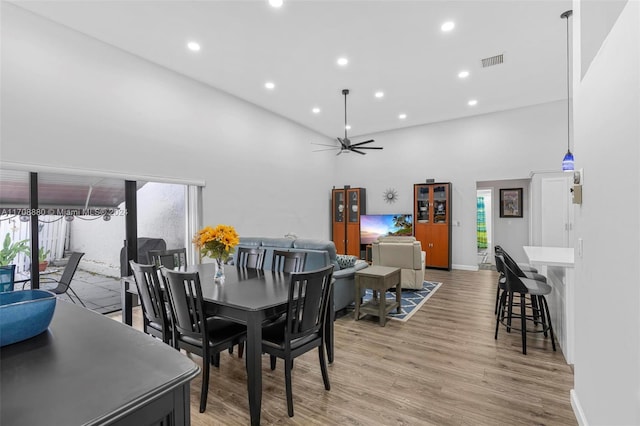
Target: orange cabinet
(347,205)
(432,222)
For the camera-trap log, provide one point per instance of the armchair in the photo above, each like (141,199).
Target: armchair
(404,253)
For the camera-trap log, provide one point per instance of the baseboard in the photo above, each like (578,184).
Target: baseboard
(577,409)
(465,267)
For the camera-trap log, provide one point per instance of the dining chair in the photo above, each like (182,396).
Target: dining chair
(7,277)
(64,283)
(173,258)
(303,326)
(194,331)
(519,286)
(250,257)
(157,315)
(288,261)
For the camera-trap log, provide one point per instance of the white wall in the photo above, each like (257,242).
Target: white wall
(607,135)
(73,102)
(499,146)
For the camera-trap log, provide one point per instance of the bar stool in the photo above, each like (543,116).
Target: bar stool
(515,285)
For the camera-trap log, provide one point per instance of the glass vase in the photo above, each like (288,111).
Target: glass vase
(219,277)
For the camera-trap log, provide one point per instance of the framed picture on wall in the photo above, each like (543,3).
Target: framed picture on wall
(511,202)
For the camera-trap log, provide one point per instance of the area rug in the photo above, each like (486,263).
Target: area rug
(412,300)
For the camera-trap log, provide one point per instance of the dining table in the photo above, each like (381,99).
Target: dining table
(247,296)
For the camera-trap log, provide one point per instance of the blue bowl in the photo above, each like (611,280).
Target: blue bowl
(24,314)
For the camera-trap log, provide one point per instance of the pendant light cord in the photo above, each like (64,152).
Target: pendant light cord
(566,15)
(345,115)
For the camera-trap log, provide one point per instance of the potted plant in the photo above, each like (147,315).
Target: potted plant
(42,259)
(10,250)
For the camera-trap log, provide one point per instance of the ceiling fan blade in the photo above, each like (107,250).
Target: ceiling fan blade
(342,143)
(339,152)
(362,143)
(359,152)
(324,144)
(370,147)
(326,149)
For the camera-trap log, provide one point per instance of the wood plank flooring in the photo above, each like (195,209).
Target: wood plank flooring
(442,367)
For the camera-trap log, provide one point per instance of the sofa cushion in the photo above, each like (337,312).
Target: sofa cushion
(278,242)
(346,261)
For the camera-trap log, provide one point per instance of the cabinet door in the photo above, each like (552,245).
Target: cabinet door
(353,222)
(422,203)
(339,208)
(440,204)
(438,252)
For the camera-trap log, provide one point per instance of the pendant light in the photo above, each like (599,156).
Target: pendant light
(567,161)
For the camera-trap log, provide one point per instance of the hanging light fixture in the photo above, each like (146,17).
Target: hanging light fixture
(567,161)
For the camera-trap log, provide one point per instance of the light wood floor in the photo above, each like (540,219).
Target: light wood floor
(442,367)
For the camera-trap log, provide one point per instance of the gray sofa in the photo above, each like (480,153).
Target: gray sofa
(320,253)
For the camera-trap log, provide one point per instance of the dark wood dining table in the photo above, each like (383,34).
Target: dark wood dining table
(248,296)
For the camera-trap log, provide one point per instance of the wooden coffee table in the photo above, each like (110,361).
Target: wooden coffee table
(379,279)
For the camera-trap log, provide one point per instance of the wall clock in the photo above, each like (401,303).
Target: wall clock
(390,195)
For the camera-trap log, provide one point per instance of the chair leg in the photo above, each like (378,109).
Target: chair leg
(215,359)
(323,367)
(205,381)
(240,349)
(509,311)
(497,299)
(543,301)
(501,307)
(287,377)
(273,362)
(523,322)
(75,294)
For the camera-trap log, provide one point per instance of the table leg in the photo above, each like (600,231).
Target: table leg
(254,366)
(381,308)
(126,299)
(358,300)
(399,297)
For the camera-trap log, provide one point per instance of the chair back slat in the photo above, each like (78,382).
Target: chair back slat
(288,261)
(150,291)
(185,295)
(308,301)
(7,277)
(250,257)
(170,259)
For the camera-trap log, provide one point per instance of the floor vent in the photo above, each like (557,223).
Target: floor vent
(493,60)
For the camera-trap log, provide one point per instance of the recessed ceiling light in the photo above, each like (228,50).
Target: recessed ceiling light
(315,110)
(472,102)
(448,26)
(342,61)
(402,116)
(275,3)
(463,74)
(348,127)
(379,94)
(270,85)
(193,46)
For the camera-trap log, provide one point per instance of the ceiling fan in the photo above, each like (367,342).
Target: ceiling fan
(345,144)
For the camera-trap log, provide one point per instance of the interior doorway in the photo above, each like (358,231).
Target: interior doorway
(484,228)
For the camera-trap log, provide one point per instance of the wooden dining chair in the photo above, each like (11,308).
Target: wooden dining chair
(288,261)
(157,316)
(194,331)
(7,277)
(303,326)
(173,258)
(250,257)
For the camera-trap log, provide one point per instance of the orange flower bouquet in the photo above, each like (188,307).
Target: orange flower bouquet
(217,243)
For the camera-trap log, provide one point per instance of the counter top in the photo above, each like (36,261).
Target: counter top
(550,256)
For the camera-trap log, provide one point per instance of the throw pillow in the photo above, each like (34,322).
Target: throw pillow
(346,261)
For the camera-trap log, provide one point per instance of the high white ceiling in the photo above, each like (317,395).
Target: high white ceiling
(393,46)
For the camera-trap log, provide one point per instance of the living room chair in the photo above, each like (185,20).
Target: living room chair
(250,257)
(288,261)
(7,277)
(518,286)
(157,317)
(404,253)
(171,259)
(64,283)
(193,330)
(303,326)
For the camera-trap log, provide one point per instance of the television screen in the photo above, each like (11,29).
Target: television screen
(373,226)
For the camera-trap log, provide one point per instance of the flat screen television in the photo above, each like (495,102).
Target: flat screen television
(373,226)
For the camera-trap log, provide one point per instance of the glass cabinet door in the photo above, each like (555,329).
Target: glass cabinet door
(440,204)
(354,206)
(422,201)
(338,206)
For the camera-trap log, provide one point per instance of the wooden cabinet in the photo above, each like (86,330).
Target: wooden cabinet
(432,222)
(347,204)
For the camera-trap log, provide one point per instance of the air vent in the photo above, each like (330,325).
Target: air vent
(493,60)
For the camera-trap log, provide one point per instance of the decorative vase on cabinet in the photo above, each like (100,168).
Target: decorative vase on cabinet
(347,204)
(432,227)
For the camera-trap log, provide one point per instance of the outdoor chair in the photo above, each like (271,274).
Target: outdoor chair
(288,261)
(7,277)
(157,317)
(193,330)
(303,326)
(250,257)
(64,283)
(170,259)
